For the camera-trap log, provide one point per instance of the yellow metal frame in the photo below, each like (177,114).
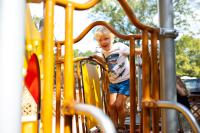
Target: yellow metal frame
(43,47)
(149,66)
(30,127)
(68,59)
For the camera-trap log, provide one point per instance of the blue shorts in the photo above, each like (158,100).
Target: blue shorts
(120,88)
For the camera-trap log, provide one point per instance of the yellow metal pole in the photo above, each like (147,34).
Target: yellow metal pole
(76,98)
(68,67)
(58,87)
(155,66)
(29,127)
(81,96)
(78,6)
(145,66)
(47,107)
(132,87)
(79,81)
(145,82)
(155,80)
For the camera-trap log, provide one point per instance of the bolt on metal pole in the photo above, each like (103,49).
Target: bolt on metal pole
(167,65)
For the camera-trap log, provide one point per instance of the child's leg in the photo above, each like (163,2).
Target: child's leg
(112,108)
(123,93)
(120,105)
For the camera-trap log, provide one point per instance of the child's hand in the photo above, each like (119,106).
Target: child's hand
(138,51)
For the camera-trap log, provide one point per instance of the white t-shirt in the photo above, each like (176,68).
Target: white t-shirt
(118,63)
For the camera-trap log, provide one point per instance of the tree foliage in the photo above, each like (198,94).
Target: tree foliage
(112,12)
(187,48)
(188,56)
(78,53)
(146,12)
(184,15)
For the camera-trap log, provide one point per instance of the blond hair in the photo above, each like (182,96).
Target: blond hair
(103,32)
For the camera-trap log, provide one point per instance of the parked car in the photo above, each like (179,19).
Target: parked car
(193,85)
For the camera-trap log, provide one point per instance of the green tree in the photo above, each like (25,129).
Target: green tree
(188,56)
(78,53)
(145,10)
(112,12)
(87,53)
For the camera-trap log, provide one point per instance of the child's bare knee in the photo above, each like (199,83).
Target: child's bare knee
(119,106)
(112,105)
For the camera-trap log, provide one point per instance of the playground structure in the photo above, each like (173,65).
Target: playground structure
(39,51)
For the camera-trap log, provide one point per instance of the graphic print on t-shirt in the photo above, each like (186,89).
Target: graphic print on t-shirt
(115,70)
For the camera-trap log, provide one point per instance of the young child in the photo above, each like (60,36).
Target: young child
(116,56)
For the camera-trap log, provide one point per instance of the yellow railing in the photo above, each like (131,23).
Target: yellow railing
(150,69)
(87,89)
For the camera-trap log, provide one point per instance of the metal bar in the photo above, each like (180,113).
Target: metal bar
(12,43)
(139,87)
(167,66)
(155,68)
(81,96)
(145,81)
(104,121)
(58,88)
(76,99)
(83,118)
(104,89)
(78,6)
(133,105)
(47,106)
(107,93)
(79,81)
(102,23)
(96,59)
(145,66)
(132,17)
(105,24)
(86,5)
(155,80)
(68,67)
(186,113)
(172,33)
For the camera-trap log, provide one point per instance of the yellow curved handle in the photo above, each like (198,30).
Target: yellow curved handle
(78,6)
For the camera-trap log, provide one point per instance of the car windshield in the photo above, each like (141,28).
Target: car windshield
(192,83)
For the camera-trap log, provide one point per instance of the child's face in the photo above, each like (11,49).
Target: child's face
(105,43)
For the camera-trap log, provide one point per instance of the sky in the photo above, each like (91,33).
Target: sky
(81,21)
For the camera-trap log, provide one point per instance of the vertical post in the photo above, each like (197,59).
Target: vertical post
(81,95)
(47,105)
(132,87)
(155,80)
(58,87)
(68,67)
(139,82)
(12,38)
(145,82)
(167,66)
